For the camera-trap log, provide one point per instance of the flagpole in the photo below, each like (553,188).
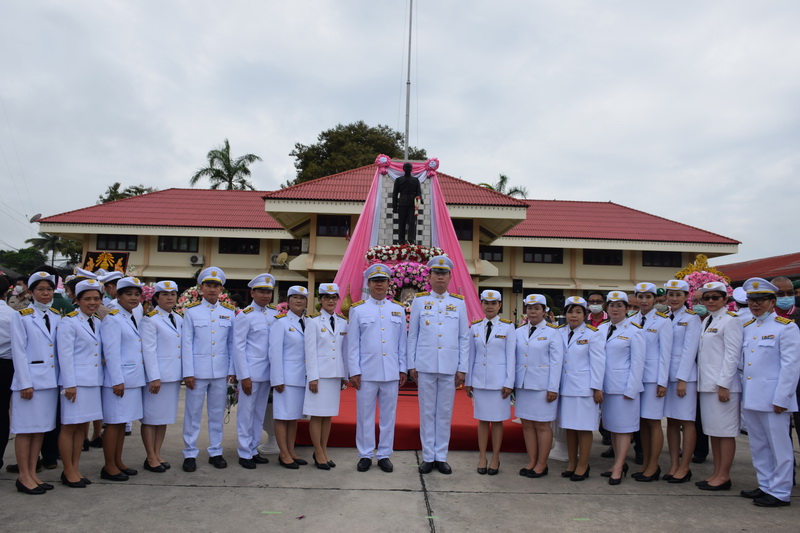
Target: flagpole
(408,78)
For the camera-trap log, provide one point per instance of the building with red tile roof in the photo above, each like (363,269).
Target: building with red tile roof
(767,267)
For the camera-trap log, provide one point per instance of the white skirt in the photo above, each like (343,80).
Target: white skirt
(121,410)
(87,407)
(620,415)
(720,419)
(288,405)
(652,407)
(533,405)
(489,405)
(37,415)
(681,408)
(579,413)
(162,408)
(326,401)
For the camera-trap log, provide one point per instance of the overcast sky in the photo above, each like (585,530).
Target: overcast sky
(684,109)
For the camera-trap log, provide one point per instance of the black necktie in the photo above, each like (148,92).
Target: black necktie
(172,319)
(133,319)
(488,330)
(333,327)
(611,331)
(530,331)
(91,324)
(644,319)
(302,324)
(710,318)
(672,316)
(569,337)
(47,321)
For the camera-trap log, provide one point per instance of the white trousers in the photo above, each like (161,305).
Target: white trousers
(250,414)
(771,449)
(384,393)
(436,393)
(216,390)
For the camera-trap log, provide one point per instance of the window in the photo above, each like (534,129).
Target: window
(178,244)
(662,259)
(602,257)
(463,227)
(122,243)
(543,255)
(292,246)
(332,225)
(491,253)
(239,246)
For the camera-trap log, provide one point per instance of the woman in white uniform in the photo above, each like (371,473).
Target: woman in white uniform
(325,348)
(490,377)
(581,387)
(35,382)
(81,378)
(287,361)
(161,347)
(123,377)
(539,355)
(622,383)
(681,405)
(719,383)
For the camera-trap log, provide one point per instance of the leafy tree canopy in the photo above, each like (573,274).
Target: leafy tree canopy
(502,187)
(114,193)
(224,172)
(23,260)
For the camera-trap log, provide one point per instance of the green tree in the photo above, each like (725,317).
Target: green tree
(224,171)
(23,260)
(345,147)
(502,187)
(114,193)
(55,244)
(73,251)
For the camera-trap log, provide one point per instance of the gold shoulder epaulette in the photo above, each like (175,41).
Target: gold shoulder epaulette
(193,304)
(113,312)
(783,320)
(691,311)
(26,311)
(97,316)
(732,313)
(356,303)
(636,325)
(459,296)
(179,313)
(426,293)
(604,321)
(554,326)
(749,322)
(226,305)
(398,303)
(313,315)
(247,310)
(72,314)
(477,321)
(56,311)
(280,315)
(506,321)
(272,306)
(340,315)
(153,313)
(591,327)
(663,315)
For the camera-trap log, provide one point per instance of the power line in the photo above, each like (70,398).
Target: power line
(16,152)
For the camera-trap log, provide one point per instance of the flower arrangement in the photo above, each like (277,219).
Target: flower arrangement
(147,293)
(192,294)
(402,252)
(282,308)
(408,274)
(699,278)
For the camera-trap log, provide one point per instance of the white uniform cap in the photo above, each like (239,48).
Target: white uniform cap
(129,282)
(81,273)
(535,299)
(41,276)
(298,290)
(645,287)
(166,286)
(575,300)
(212,274)
(740,295)
(617,296)
(378,271)
(677,285)
(110,276)
(328,288)
(88,285)
(262,281)
(491,296)
(441,262)
(756,286)
(713,286)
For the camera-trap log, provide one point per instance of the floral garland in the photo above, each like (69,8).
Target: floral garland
(403,252)
(699,278)
(408,274)
(192,294)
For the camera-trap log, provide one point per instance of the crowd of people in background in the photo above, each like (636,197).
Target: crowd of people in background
(92,359)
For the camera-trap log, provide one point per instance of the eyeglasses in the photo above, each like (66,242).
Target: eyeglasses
(757,300)
(711,298)
(784,293)
(596,302)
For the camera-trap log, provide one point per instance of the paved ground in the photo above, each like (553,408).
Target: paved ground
(272,498)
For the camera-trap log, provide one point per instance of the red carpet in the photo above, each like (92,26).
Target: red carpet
(463,435)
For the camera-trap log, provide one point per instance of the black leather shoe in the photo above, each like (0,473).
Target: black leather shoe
(581,477)
(684,479)
(321,466)
(86,481)
(247,463)
(534,474)
(257,459)
(698,460)
(46,486)
(72,484)
(364,464)
(386,465)
(768,500)
(96,443)
(567,473)
(493,471)
(157,469)
(752,494)
(607,473)
(166,465)
(34,491)
(112,477)
(525,471)
(291,466)
(482,471)
(331,464)
(724,486)
(648,479)
(667,477)
(130,471)
(218,461)
(301,462)
(85,445)
(443,467)
(425,467)
(608,454)
(189,464)
(12,469)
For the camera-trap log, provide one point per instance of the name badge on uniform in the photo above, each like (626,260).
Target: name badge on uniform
(342,333)
(583,341)
(498,336)
(683,323)
(711,330)
(224,317)
(395,313)
(652,330)
(291,329)
(541,338)
(449,307)
(766,337)
(323,330)
(476,335)
(623,338)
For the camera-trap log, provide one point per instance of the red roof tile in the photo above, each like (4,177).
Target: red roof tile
(353,186)
(767,267)
(202,208)
(577,220)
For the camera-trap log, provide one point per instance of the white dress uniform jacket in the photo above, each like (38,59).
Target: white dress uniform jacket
(251,337)
(491,364)
(771,363)
(287,352)
(79,351)
(376,340)
(658,336)
(326,349)
(161,345)
(207,345)
(625,355)
(438,335)
(33,349)
(539,357)
(584,363)
(686,328)
(122,350)
(720,353)
(138,311)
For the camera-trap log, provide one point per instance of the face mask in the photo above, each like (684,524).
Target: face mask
(596,308)
(662,308)
(700,309)
(632,312)
(785,302)
(42,307)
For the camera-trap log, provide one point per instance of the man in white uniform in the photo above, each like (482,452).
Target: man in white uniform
(438,353)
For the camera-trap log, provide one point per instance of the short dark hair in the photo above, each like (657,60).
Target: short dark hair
(5,284)
(592,293)
(570,306)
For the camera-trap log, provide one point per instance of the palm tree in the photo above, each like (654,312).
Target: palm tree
(221,170)
(502,183)
(114,193)
(46,242)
